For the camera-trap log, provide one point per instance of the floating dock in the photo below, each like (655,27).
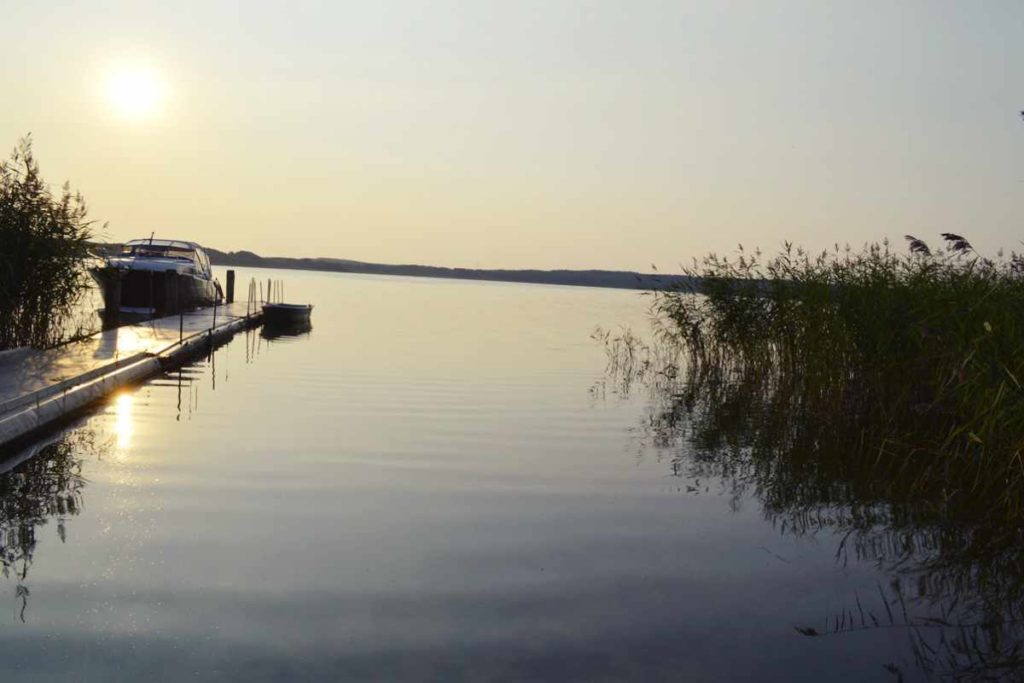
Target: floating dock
(39,388)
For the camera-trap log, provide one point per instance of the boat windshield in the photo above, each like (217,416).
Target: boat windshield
(157,251)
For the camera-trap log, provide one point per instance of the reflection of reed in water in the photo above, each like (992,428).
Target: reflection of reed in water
(952,546)
(45,487)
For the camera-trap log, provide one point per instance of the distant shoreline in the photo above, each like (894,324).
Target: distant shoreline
(581,278)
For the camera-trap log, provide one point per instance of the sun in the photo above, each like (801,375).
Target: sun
(135,92)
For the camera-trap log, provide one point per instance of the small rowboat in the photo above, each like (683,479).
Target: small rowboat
(286,314)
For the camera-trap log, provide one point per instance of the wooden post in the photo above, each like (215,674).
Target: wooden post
(270,298)
(112,310)
(231,287)
(170,292)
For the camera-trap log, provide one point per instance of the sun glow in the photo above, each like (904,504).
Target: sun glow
(135,92)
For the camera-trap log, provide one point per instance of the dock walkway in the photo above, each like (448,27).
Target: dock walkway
(38,387)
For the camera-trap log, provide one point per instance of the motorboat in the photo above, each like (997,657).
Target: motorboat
(156,277)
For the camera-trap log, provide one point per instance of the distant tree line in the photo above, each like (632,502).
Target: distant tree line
(585,278)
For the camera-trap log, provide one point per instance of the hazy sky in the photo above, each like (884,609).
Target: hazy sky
(515,134)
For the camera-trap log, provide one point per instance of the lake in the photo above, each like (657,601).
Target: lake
(439,482)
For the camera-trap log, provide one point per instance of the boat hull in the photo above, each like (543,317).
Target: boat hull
(286,315)
(152,292)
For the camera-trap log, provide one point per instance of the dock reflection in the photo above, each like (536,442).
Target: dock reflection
(43,484)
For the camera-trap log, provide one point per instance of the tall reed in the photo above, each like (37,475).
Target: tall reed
(43,244)
(924,350)
(870,394)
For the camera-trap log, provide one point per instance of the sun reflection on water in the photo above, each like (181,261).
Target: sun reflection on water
(123,424)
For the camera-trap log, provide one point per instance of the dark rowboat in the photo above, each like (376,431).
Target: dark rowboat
(286,314)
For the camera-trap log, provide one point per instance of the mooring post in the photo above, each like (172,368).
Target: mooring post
(231,287)
(269,297)
(170,292)
(112,311)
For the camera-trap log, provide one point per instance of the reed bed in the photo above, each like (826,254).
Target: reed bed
(917,357)
(870,394)
(43,247)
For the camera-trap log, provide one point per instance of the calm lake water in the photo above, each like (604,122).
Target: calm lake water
(439,482)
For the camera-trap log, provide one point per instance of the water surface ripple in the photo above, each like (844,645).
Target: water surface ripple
(435,483)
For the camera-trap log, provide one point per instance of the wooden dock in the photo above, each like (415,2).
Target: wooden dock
(41,388)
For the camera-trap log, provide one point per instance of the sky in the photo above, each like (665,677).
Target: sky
(519,134)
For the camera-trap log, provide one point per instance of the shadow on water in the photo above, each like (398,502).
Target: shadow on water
(286,331)
(952,554)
